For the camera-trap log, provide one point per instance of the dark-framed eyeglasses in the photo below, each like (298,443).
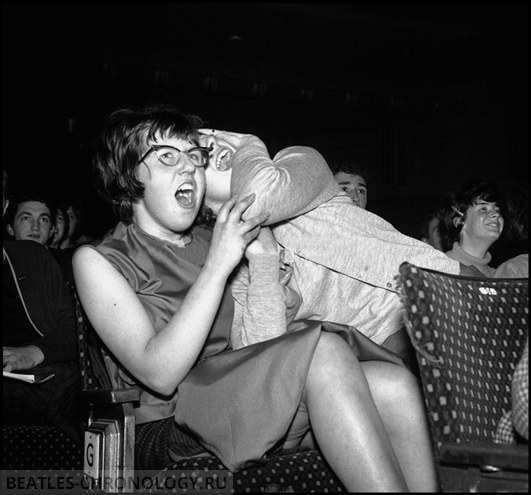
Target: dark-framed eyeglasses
(169,155)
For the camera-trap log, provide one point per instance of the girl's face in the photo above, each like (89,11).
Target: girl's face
(218,172)
(173,193)
(483,221)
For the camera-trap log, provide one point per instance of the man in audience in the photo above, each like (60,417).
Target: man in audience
(30,216)
(430,233)
(352,180)
(39,334)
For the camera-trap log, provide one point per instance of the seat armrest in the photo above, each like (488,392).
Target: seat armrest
(111,396)
(488,456)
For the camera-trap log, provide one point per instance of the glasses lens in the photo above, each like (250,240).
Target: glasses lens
(198,156)
(167,155)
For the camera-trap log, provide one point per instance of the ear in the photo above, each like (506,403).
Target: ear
(457,222)
(10,230)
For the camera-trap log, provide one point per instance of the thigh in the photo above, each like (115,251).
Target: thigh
(22,403)
(299,427)
(400,343)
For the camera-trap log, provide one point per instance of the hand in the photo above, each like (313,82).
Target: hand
(232,234)
(22,358)
(233,139)
(264,243)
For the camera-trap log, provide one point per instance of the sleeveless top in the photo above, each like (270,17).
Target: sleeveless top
(239,404)
(145,262)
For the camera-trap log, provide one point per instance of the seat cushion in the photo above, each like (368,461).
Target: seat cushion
(40,448)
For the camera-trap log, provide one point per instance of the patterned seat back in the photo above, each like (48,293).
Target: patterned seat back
(469,334)
(94,375)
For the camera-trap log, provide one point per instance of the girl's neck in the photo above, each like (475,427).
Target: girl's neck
(475,248)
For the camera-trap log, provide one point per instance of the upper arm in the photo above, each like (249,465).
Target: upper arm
(113,309)
(285,186)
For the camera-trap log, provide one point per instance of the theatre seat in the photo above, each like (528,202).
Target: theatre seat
(469,334)
(40,448)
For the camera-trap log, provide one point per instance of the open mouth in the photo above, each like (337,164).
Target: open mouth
(185,195)
(223,159)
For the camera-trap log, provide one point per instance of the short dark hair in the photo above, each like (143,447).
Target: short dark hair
(425,225)
(120,146)
(352,168)
(29,195)
(460,200)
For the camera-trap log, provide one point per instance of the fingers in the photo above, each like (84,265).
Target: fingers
(217,132)
(254,222)
(233,139)
(207,132)
(235,207)
(8,359)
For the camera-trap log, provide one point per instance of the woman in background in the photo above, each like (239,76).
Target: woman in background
(471,222)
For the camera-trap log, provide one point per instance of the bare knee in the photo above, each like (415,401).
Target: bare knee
(392,384)
(333,352)
(334,363)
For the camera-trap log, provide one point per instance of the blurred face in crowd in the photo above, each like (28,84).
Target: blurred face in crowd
(434,234)
(32,221)
(483,222)
(74,220)
(59,229)
(355,186)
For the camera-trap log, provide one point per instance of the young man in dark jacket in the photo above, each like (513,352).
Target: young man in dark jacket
(39,336)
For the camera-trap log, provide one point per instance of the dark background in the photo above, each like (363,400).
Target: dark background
(425,95)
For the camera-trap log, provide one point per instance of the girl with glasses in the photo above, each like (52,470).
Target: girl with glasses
(155,290)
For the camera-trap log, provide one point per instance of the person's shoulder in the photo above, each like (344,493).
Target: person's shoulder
(26,247)
(517,267)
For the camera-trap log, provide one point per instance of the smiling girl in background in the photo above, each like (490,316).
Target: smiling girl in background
(471,222)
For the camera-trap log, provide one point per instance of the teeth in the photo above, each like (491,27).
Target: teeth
(221,156)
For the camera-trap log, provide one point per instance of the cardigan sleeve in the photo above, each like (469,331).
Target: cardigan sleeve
(259,305)
(295,181)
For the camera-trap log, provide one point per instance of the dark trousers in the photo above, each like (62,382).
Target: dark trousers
(54,402)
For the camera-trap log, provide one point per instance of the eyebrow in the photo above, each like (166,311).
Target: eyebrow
(30,213)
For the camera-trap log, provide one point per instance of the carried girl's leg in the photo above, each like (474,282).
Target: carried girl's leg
(346,421)
(399,400)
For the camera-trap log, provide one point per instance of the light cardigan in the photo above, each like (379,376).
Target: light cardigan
(345,258)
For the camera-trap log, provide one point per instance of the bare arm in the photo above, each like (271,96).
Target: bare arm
(162,360)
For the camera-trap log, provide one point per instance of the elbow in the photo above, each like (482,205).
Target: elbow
(161,385)
(160,380)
